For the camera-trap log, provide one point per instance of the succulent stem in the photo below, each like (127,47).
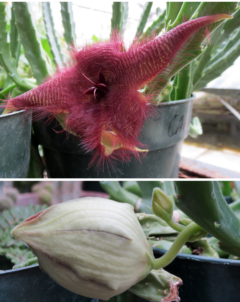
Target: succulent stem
(182,238)
(176,226)
(5,91)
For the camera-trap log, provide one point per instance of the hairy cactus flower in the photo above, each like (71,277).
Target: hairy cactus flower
(98,98)
(94,247)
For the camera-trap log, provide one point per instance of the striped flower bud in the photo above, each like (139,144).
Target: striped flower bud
(94,247)
(162,204)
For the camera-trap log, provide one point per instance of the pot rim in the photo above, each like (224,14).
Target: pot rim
(18,269)
(158,105)
(201,258)
(12,113)
(172,103)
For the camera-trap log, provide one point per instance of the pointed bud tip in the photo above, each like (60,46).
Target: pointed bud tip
(16,232)
(162,205)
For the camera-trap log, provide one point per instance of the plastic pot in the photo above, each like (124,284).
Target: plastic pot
(15,142)
(163,134)
(31,284)
(205,279)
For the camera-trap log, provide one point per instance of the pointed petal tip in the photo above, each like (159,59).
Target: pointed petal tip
(223,16)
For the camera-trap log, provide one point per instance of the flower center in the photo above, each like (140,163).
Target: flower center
(98,89)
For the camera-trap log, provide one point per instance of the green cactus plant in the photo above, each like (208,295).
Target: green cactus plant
(204,203)
(162,233)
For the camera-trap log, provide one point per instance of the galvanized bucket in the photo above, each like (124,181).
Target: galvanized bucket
(163,134)
(15,140)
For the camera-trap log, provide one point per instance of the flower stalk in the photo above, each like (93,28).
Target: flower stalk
(191,230)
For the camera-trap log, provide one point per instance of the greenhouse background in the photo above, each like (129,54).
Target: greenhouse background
(101,13)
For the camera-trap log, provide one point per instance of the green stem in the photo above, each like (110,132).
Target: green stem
(5,55)
(68,23)
(182,238)
(30,40)
(6,90)
(144,18)
(118,193)
(176,226)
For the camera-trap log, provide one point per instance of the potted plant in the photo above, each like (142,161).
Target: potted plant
(196,264)
(15,140)
(163,131)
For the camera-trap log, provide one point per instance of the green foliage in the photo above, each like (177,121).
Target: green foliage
(204,203)
(133,187)
(203,248)
(42,50)
(154,226)
(30,41)
(226,188)
(118,193)
(219,54)
(49,24)
(12,249)
(31,261)
(15,44)
(162,234)
(155,28)
(68,23)
(194,76)
(143,19)
(5,55)
(138,194)
(159,285)
(119,17)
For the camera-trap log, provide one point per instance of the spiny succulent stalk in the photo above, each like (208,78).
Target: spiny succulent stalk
(98,97)
(94,247)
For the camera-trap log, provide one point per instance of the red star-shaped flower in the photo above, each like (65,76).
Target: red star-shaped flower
(98,97)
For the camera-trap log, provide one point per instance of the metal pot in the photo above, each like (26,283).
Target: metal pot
(163,134)
(15,140)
